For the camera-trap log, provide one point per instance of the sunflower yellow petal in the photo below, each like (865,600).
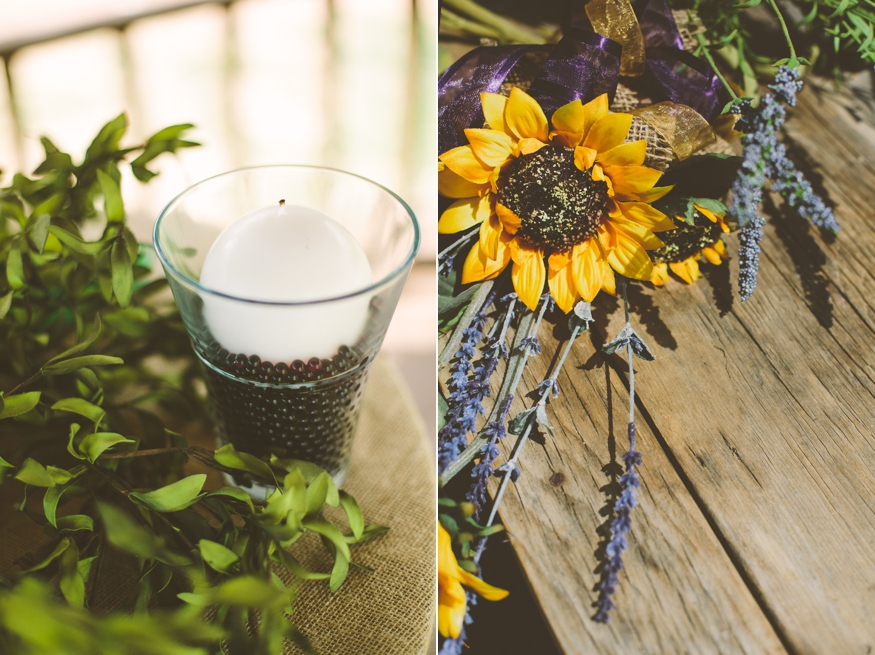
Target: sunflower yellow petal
(491,147)
(660,274)
(484,589)
(490,237)
(707,213)
(524,116)
(561,281)
(651,195)
(641,234)
(720,247)
(687,270)
(479,267)
(493,110)
(464,214)
(584,158)
(462,161)
(608,132)
(508,218)
(646,215)
(569,121)
(631,180)
(625,154)
(609,280)
(585,269)
(594,111)
(528,146)
(712,256)
(628,257)
(528,273)
(453,185)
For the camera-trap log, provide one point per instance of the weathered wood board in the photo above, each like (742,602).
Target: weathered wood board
(756,526)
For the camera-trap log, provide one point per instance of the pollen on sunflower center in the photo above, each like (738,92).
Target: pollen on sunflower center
(559,205)
(686,240)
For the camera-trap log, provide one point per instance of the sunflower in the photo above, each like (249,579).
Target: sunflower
(452,601)
(577,196)
(686,245)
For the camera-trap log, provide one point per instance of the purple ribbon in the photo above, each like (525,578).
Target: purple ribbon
(672,72)
(583,65)
(480,71)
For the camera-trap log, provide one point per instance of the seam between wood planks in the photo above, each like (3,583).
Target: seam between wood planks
(727,546)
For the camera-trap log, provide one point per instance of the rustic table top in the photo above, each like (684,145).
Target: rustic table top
(756,522)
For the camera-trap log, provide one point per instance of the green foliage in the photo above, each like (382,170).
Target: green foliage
(83,321)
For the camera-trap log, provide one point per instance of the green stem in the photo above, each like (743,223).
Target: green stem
(510,30)
(784,28)
(707,54)
(33,378)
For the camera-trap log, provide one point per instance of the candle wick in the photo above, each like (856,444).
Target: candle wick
(282,206)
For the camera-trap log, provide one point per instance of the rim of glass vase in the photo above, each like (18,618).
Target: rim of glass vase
(195,284)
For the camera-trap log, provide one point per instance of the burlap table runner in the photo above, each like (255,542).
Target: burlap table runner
(387,612)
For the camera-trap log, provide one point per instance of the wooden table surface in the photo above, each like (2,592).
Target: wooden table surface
(756,526)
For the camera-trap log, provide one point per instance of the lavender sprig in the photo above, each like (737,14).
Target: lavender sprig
(527,327)
(468,385)
(448,254)
(629,482)
(494,431)
(765,157)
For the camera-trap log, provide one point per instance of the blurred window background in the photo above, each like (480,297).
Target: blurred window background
(343,83)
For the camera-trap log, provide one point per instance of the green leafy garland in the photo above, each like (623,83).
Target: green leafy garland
(97,363)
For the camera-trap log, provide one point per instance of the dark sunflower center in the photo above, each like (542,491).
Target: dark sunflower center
(559,205)
(686,240)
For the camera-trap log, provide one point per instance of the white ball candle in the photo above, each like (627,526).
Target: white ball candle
(285,254)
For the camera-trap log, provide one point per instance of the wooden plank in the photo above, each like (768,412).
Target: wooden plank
(679,592)
(764,415)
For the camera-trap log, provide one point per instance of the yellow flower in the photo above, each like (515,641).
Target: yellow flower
(452,601)
(578,196)
(688,244)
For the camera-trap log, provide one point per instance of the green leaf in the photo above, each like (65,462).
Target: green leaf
(320,526)
(50,503)
(338,573)
(82,407)
(374,530)
(317,492)
(174,497)
(108,139)
(711,205)
(249,591)
(75,522)
(70,365)
(15,268)
(122,273)
(19,404)
(72,446)
(171,132)
(228,456)
(32,472)
(94,445)
(78,348)
(70,581)
(124,534)
(235,494)
(78,245)
(5,468)
(58,550)
(353,514)
(39,232)
(5,304)
(112,197)
(296,568)
(216,555)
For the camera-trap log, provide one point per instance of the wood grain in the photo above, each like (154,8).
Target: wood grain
(757,519)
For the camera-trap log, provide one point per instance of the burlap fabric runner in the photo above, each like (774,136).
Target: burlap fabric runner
(392,476)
